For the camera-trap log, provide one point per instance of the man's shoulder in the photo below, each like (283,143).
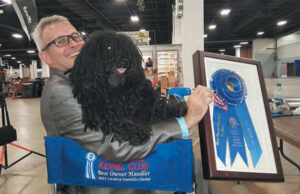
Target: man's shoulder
(57,82)
(57,88)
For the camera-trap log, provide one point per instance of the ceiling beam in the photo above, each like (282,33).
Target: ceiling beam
(94,9)
(258,13)
(77,8)
(11,28)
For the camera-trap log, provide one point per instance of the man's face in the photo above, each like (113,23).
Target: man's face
(61,58)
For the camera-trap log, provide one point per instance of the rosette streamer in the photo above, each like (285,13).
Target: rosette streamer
(232,119)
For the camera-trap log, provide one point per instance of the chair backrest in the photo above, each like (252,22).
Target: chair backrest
(169,168)
(179,92)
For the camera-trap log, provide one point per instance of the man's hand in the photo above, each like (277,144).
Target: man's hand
(197,105)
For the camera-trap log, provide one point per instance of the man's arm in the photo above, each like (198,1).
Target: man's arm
(67,117)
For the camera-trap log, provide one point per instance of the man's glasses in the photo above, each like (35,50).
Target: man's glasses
(62,41)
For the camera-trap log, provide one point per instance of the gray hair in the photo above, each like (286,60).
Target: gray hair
(44,22)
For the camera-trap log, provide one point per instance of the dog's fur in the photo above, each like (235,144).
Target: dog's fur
(114,101)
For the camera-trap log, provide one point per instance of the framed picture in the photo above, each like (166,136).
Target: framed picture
(237,136)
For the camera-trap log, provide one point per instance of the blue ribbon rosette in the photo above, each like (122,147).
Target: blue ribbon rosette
(231,118)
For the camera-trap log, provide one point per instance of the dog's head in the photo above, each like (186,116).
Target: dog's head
(110,59)
(107,70)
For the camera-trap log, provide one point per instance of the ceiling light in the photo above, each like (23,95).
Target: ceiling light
(83,33)
(281,23)
(15,35)
(0,45)
(225,11)
(13,58)
(142,30)
(7,55)
(19,61)
(222,50)
(30,51)
(134,18)
(212,27)
(7,1)
(205,35)
(1,11)
(260,33)
(237,46)
(244,43)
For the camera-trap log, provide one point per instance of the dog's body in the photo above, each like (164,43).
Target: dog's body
(109,82)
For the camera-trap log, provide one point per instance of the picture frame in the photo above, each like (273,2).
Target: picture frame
(237,136)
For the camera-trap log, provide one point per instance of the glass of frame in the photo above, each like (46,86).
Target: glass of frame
(237,135)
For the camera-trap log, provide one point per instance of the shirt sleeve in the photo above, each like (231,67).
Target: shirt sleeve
(183,127)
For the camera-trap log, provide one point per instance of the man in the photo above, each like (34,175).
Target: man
(59,43)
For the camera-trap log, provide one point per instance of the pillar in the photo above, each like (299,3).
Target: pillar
(192,29)
(45,70)
(238,52)
(21,70)
(33,69)
(263,50)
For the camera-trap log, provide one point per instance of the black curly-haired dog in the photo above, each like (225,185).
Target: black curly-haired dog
(109,82)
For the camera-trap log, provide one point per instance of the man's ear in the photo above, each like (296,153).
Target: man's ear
(44,56)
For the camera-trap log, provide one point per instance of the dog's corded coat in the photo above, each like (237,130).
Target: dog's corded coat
(109,82)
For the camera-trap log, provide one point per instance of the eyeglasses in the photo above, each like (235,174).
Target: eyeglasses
(62,41)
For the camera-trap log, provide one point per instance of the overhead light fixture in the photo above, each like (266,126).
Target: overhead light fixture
(222,50)
(260,33)
(19,61)
(134,18)
(15,35)
(205,36)
(237,46)
(13,58)
(0,45)
(225,12)
(30,51)
(83,33)
(212,27)
(7,1)
(281,23)
(7,55)
(244,43)
(142,30)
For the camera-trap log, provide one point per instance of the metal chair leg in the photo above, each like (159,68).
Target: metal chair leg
(53,189)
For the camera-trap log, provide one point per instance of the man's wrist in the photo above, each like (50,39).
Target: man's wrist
(183,126)
(188,122)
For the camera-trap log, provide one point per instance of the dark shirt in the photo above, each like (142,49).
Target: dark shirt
(149,64)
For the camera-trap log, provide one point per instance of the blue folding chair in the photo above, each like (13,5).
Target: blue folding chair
(169,168)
